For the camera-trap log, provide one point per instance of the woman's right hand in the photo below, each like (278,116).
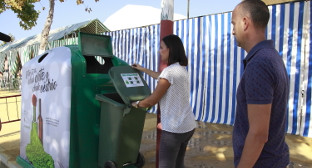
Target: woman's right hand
(137,66)
(145,70)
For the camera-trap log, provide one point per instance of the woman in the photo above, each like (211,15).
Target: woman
(172,94)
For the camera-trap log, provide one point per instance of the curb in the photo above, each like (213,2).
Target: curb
(6,161)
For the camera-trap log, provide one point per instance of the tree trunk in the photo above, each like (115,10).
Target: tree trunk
(46,29)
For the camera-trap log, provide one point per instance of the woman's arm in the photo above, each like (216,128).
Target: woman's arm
(151,73)
(154,98)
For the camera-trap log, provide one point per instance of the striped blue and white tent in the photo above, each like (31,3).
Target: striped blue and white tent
(215,62)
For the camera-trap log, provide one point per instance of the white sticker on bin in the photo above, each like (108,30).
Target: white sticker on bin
(132,79)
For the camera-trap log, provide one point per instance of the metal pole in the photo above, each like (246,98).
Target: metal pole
(188,9)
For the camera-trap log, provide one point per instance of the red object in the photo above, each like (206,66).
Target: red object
(34,100)
(166,28)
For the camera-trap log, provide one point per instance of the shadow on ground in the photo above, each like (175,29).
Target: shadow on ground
(211,147)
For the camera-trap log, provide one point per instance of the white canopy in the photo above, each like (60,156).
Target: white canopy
(131,16)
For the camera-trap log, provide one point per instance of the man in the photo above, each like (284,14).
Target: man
(6,70)
(262,94)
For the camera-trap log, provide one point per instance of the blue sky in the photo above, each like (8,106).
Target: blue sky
(68,12)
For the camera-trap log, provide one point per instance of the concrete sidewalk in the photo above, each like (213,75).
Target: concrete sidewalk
(210,147)
(9,145)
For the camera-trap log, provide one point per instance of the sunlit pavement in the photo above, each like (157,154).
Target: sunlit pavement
(210,147)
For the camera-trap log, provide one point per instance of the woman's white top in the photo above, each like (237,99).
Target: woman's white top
(176,112)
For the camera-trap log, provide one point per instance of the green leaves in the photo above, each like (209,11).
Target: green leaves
(24,9)
(28,16)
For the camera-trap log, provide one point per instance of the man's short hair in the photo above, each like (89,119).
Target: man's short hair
(258,10)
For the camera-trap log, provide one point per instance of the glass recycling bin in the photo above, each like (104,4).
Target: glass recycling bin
(60,117)
(121,124)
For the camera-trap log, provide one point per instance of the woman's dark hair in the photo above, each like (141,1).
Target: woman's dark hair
(176,50)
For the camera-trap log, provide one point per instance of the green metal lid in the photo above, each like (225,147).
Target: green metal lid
(95,45)
(129,83)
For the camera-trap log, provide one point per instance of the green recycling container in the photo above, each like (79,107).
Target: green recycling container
(121,124)
(60,119)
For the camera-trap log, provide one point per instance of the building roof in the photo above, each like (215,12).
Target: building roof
(91,26)
(271,2)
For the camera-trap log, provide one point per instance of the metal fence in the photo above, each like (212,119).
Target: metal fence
(10,109)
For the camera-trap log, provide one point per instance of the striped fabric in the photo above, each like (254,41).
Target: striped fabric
(214,66)
(290,27)
(215,62)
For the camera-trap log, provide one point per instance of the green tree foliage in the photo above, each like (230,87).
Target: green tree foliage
(24,9)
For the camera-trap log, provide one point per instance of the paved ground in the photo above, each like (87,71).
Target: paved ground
(210,147)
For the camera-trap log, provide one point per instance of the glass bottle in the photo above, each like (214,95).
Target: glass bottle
(40,123)
(34,103)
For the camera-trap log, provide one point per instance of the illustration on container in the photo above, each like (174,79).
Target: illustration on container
(45,110)
(34,150)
